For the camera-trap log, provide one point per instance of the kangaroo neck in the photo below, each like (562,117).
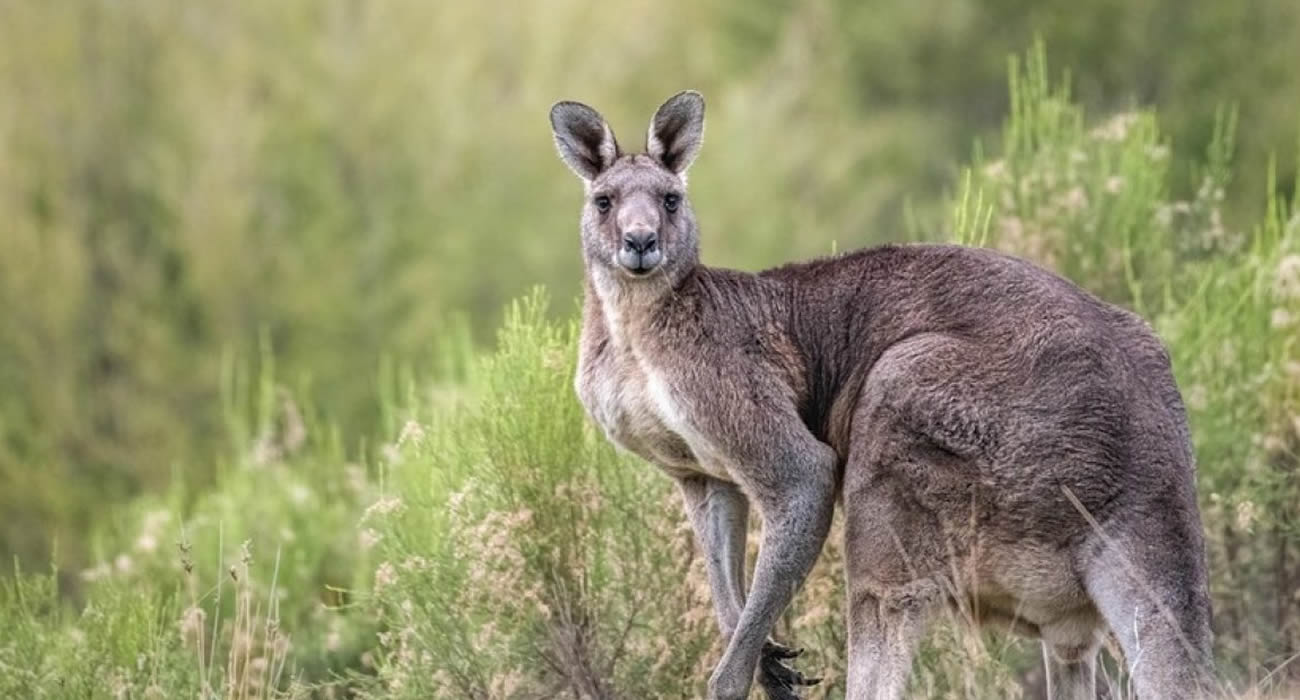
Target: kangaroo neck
(703,305)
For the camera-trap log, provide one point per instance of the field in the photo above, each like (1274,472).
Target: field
(288,328)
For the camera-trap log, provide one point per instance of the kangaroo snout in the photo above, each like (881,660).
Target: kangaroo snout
(640,252)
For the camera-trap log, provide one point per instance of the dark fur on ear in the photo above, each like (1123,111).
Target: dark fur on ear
(585,141)
(677,131)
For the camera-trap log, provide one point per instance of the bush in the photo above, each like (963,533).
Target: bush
(519,556)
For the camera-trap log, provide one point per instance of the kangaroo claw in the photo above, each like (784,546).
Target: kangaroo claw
(777,679)
(781,651)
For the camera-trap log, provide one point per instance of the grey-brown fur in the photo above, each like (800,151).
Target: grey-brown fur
(1001,440)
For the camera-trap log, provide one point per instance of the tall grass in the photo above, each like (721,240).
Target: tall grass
(541,567)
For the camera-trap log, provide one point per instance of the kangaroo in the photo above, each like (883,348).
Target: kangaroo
(1000,440)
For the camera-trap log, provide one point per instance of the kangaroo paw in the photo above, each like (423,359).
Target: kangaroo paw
(778,680)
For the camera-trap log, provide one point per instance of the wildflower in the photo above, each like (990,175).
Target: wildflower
(415,563)
(1076,199)
(96,573)
(123,563)
(995,170)
(1247,514)
(412,432)
(1272,443)
(118,684)
(506,685)
(256,666)
(154,521)
(455,500)
(1287,282)
(299,494)
(1115,129)
(355,478)
(1281,318)
(1114,184)
(383,506)
(1228,352)
(1164,215)
(264,452)
(191,626)
(294,428)
(146,542)
(385,576)
(369,538)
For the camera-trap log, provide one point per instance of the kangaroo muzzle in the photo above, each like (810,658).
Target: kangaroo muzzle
(640,252)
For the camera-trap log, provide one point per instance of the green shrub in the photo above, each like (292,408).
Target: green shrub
(519,556)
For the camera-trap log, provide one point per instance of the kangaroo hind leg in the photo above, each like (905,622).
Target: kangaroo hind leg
(1150,587)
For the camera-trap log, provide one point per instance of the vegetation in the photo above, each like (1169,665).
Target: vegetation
(181,184)
(232,226)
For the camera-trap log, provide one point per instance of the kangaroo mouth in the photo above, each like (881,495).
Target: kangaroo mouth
(640,264)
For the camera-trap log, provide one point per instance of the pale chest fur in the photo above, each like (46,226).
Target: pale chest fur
(640,409)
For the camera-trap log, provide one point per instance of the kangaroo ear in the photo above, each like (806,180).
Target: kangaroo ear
(585,141)
(677,131)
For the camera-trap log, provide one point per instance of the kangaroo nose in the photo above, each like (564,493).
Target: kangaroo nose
(641,241)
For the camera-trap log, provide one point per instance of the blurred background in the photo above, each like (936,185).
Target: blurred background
(182,184)
(197,196)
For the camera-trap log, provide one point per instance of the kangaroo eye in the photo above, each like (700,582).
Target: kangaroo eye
(671,201)
(602,203)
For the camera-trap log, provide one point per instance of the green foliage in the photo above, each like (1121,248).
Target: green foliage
(540,567)
(240,590)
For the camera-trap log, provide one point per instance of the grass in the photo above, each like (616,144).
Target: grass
(498,547)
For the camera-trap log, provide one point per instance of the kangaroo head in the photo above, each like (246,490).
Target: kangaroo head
(637,225)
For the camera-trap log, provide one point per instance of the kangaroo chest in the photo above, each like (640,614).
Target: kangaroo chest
(641,411)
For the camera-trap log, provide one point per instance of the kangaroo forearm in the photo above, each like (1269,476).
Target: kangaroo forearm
(792,540)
